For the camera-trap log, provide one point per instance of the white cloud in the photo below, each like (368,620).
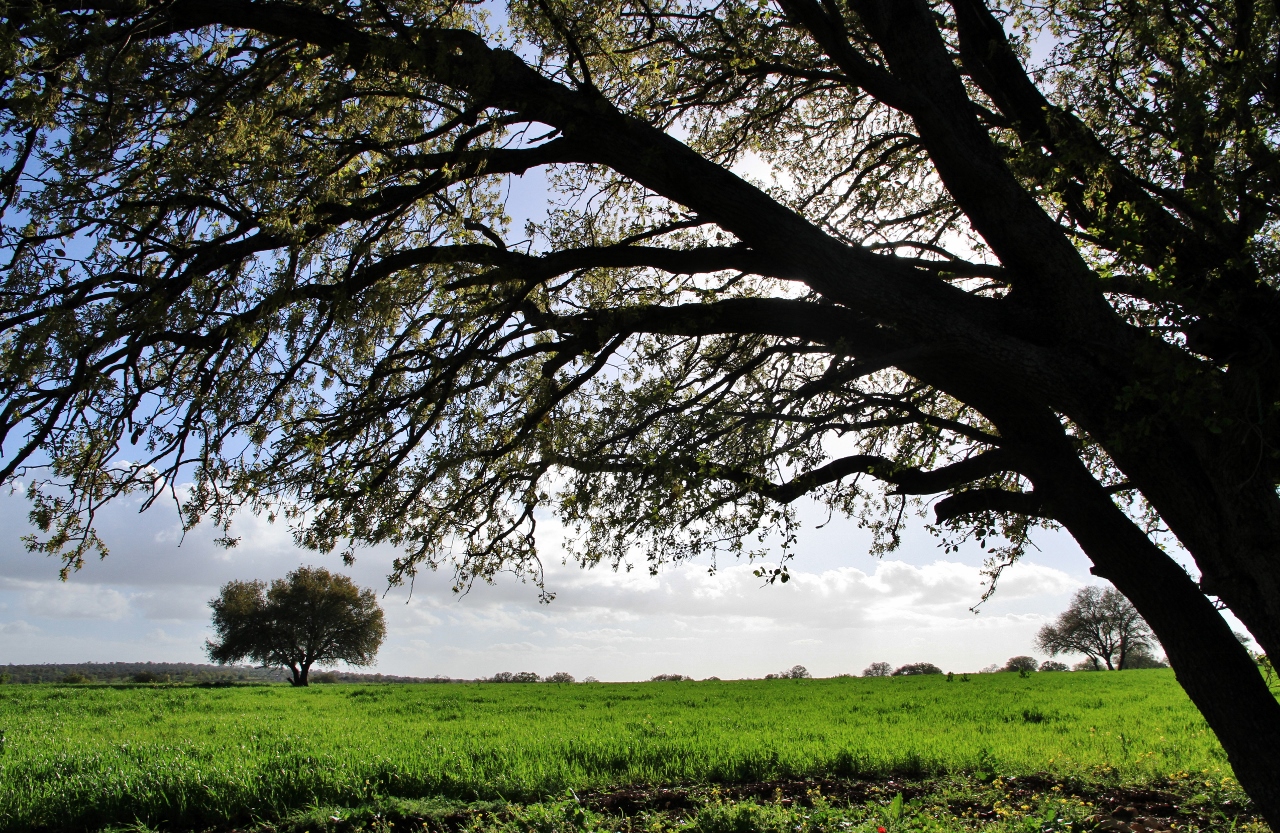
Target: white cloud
(175,603)
(76,601)
(839,598)
(18,628)
(161,636)
(840,611)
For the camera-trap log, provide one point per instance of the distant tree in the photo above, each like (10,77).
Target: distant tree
(669,678)
(1054,665)
(796,672)
(1087,664)
(76,678)
(878,669)
(327,677)
(1142,657)
(915,668)
(559,677)
(1101,624)
(518,677)
(990,669)
(1023,663)
(310,616)
(590,680)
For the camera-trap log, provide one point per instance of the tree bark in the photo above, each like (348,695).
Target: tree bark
(1227,515)
(1212,666)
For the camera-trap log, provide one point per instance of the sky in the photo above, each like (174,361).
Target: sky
(842,610)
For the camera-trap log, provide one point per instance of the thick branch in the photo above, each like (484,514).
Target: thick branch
(840,329)
(989,500)
(907,480)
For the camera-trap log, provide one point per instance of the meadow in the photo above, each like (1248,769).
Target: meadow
(85,757)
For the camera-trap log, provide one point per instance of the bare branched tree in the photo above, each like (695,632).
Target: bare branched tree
(1101,624)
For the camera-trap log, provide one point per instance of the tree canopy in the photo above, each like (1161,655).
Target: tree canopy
(866,251)
(310,616)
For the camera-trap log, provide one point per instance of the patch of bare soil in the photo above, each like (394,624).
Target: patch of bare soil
(1119,809)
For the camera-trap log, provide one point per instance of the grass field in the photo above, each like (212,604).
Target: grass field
(81,757)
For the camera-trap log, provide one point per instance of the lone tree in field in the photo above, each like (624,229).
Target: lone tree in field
(1101,624)
(310,616)
(262,247)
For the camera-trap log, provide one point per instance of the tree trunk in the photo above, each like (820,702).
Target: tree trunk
(299,677)
(1212,666)
(1215,498)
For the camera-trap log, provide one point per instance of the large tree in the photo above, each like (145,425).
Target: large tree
(310,616)
(849,249)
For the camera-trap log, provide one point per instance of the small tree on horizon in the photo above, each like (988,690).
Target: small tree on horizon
(1021,663)
(878,669)
(310,616)
(1101,624)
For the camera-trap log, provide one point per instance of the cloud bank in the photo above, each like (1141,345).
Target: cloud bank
(841,610)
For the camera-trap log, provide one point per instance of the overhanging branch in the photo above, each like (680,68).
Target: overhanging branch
(989,500)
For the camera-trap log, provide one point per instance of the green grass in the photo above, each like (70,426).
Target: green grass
(86,756)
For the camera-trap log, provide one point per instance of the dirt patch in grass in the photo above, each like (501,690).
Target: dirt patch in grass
(1176,805)
(630,801)
(956,804)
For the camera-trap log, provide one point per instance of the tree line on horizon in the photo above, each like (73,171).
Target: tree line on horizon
(181,672)
(314,616)
(197,674)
